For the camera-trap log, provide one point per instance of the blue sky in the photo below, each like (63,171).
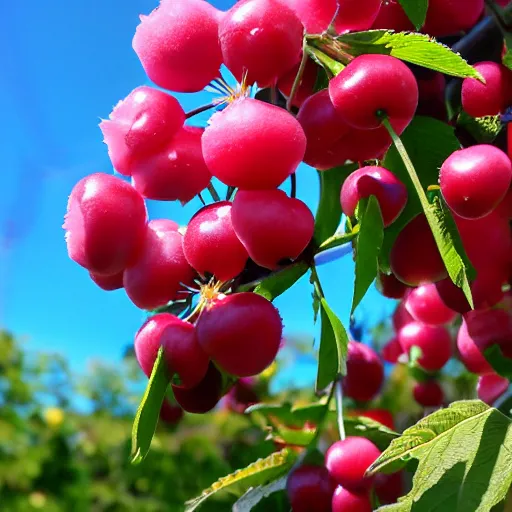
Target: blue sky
(64,66)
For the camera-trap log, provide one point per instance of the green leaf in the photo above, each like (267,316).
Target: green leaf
(361,426)
(337,241)
(507,58)
(419,49)
(288,414)
(369,244)
(333,347)
(294,437)
(276,284)
(328,215)
(416,11)
(148,412)
(464,460)
(256,495)
(261,472)
(483,129)
(500,364)
(331,66)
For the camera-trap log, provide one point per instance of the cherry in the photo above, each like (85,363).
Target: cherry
(401,317)
(204,397)
(431,102)
(505,207)
(389,286)
(140,125)
(347,501)
(390,192)
(433,340)
(105,224)
(382,416)
(241,396)
(171,414)
(175,35)
(211,245)
(470,354)
(392,350)
(414,257)
(425,305)
(306,85)
(108,283)
(393,17)
(272,227)
(474,180)
(159,273)
(240,332)
(310,489)
(365,372)
(265,145)
(428,394)
(372,86)
(261,40)
(176,172)
(489,98)
(491,387)
(448,17)
(388,487)
(348,460)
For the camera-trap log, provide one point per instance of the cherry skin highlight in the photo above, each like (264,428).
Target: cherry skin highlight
(390,192)
(140,125)
(306,85)
(262,39)
(470,354)
(491,387)
(428,394)
(344,500)
(425,305)
(175,35)
(474,180)
(389,286)
(433,340)
(272,227)
(177,172)
(108,283)
(265,145)
(211,245)
(348,460)
(240,332)
(310,489)
(414,257)
(105,224)
(372,86)
(162,268)
(365,373)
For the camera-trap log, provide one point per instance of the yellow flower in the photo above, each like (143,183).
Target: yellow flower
(54,416)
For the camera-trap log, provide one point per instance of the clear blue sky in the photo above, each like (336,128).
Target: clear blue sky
(64,65)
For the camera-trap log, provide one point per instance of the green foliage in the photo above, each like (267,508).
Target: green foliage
(276,284)
(331,66)
(416,11)
(500,364)
(483,129)
(259,496)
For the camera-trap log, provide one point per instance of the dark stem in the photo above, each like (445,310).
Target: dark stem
(199,110)
(293,183)
(213,192)
(229,193)
(273,95)
(201,198)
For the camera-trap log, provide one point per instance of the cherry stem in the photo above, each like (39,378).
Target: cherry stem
(229,193)
(199,110)
(293,182)
(213,192)
(201,198)
(339,407)
(273,95)
(331,30)
(298,78)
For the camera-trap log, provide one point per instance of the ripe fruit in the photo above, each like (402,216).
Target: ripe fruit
(171,414)
(489,98)
(401,316)
(162,268)
(346,501)
(372,86)
(204,397)
(211,245)
(431,101)
(240,332)
(272,227)
(433,340)
(176,172)
(310,489)
(241,396)
(365,372)
(105,224)
(348,460)
(108,283)
(470,354)
(425,305)
(393,17)
(382,416)
(414,257)
(306,85)
(491,387)
(265,145)
(428,394)
(447,17)
(262,38)
(392,351)
(474,180)
(390,192)
(140,125)
(388,487)
(389,286)
(175,35)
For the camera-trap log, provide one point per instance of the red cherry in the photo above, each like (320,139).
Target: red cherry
(347,501)
(175,35)
(348,460)
(241,396)
(414,257)
(392,350)
(171,414)
(108,283)
(470,354)
(428,394)
(401,316)
(505,207)
(382,416)
(306,85)
(389,488)
(262,38)
(390,286)
(365,373)
(141,124)
(204,397)
(176,172)
(240,332)
(158,275)
(448,17)
(390,192)
(375,85)
(474,180)
(393,17)
(431,100)
(433,340)
(105,224)
(211,245)
(265,145)
(425,305)
(489,98)
(491,387)
(310,489)
(272,227)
